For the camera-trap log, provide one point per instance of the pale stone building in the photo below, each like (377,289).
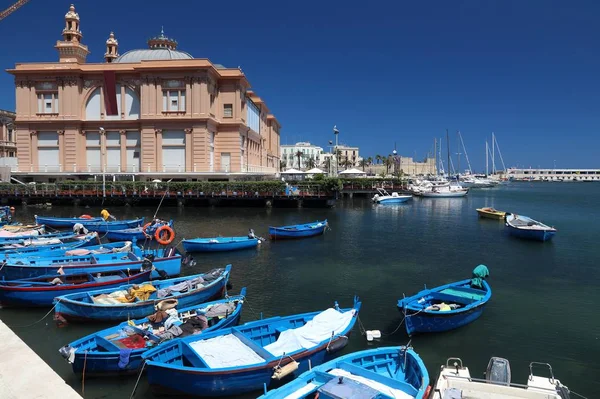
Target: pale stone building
(148,112)
(289,155)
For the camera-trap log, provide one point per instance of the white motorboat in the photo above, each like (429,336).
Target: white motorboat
(455,382)
(383,197)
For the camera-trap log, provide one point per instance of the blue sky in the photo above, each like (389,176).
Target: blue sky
(384,72)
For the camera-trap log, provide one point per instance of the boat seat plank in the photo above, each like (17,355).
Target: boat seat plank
(464,293)
(106,344)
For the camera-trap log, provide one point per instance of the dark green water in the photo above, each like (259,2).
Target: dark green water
(545,295)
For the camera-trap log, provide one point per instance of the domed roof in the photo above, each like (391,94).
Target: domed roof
(160,48)
(153,54)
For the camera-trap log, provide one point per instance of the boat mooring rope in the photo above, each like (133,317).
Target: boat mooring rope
(575,393)
(46,315)
(138,380)
(83,373)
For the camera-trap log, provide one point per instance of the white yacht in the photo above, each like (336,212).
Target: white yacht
(456,382)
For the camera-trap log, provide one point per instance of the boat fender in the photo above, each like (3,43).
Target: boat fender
(371,334)
(68,353)
(85,217)
(337,344)
(281,372)
(427,391)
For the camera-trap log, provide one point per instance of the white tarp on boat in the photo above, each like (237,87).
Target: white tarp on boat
(309,335)
(391,392)
(225,351)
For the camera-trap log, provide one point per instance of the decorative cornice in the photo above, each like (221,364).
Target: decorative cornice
(188,131)
(158,131)
(81,131)
(60,132)
(33,133)
(130,82)
(123,131)
(67,81)
(88,83)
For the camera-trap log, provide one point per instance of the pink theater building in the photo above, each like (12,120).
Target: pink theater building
(148,113)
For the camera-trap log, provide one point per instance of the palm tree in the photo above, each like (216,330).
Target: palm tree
(310,163)
(299,154)
(282,165)
(387,162)
(377,158)
(328,164)
(347,163)
(370,161)
(363,162)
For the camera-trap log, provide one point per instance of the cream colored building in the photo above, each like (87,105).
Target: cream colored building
(148,112)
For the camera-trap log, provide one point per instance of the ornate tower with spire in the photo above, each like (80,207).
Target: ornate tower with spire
(112,48)
(70,48)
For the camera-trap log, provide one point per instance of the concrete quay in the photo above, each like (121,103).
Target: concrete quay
(24,375)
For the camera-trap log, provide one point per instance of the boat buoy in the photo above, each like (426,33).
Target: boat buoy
(371,334)
(163,231)
(85,217)
(337,344)
(286,370)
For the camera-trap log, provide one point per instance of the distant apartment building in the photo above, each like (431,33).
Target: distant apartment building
(311,156)
(153,112)
(405,165)
(348,156)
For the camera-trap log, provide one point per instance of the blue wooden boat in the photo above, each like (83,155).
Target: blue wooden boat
(525,227)
(101,226)
(44,244)
(135,233)
(298,230)
(41,291)
(218,244)
(242,359)
(103,305)
(99,353)
(65,222)
(448,306)
(383,373)
(70,250)
(36,237)
(166,262)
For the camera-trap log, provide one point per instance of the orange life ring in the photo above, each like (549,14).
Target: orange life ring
(169,233)
(85,217)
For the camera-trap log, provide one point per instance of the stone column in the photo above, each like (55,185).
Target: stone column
(33,151)
(61,150)
(123,140)
(188,150)
(159,152)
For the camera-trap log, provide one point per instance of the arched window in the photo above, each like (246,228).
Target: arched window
(94,108)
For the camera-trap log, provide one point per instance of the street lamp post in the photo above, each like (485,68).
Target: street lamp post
(336,132)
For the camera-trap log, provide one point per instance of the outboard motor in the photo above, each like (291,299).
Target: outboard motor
(146,264)
(498,371)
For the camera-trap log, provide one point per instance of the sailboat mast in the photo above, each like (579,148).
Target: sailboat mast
(499,153)
(486,158)
(448,148)
(458,153)
(435,170)
(466,155)
(493,155)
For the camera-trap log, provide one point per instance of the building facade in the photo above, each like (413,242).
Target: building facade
(8,144)
(151,112)
(312,155)
(558,175)
(348,156)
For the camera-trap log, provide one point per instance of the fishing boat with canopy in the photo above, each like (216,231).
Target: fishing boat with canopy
(243,359)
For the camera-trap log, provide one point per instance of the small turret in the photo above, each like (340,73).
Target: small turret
(70,48)
(112,48)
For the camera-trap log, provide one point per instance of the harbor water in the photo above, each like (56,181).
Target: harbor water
(545,295)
